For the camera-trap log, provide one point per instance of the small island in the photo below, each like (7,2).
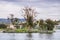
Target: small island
(29,25)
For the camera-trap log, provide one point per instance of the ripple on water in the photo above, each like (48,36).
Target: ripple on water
(30,36)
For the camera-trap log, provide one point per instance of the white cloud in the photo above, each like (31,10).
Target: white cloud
(7,8)
(46,10)
(51,11)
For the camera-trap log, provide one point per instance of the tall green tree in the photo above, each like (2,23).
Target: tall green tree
(16,23)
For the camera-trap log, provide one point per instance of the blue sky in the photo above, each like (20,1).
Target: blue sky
(46,8)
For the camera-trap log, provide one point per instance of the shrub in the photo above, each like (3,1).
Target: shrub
(3,26)
(17,26)
(21,30)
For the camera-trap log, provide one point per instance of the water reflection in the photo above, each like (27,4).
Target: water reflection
(49,36)
(29,36)
(46,36)
(12,36)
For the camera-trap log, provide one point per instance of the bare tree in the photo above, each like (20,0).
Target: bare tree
(11,18)
(29,15)
(14,21)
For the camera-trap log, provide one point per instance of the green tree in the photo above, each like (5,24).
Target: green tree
(50,24)
(16,23)
(41,24)
(3,26)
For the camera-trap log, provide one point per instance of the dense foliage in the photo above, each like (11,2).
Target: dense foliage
(3,26)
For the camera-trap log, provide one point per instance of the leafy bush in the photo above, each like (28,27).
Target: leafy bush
(3,26)
(17,26)
(50,24)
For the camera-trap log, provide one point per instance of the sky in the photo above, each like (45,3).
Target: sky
(47,9)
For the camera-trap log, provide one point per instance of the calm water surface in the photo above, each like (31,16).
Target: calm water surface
(33,36)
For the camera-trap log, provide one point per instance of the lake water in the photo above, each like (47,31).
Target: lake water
(32,36)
